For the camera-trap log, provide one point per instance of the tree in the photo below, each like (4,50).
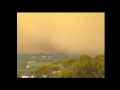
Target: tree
(55,68)
(21,64)
(43,70)
(19,75)
(31,73)
(84,57)
(56,62)
(99,66)
(69,62)
(82,69)
(65,73)
(98,56)
(76,70)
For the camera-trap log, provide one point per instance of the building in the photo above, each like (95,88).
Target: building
(27,76)
(31,62)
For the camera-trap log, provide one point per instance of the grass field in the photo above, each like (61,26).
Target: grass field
(38,63)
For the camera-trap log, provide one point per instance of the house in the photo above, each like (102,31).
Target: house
(32,76)
(53,72)
(43,56)
(25,76)
(58,71)
(44,76)
(27,66)
(31,62)
(28,76)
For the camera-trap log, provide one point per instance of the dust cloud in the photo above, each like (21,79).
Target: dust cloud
(70,33)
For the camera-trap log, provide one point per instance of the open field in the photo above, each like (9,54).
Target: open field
(38,63)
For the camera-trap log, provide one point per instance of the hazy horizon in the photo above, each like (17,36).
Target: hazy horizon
(68,33)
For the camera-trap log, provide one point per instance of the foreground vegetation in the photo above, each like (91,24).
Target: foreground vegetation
(83,67)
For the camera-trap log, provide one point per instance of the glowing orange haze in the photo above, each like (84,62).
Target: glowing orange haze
(71,33)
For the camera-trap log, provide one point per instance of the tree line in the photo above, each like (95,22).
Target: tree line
(83,67)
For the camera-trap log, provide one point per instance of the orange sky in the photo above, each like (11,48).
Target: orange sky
(60,32)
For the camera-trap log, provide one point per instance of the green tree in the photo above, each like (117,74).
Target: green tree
(82,69)
(77,70)
(21,64)
(56,62)
(31,73)
(65,73)
(84,57)
(69,62)
(99,66)
(99,56)
(43,70)
(55,68)
(19,75)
